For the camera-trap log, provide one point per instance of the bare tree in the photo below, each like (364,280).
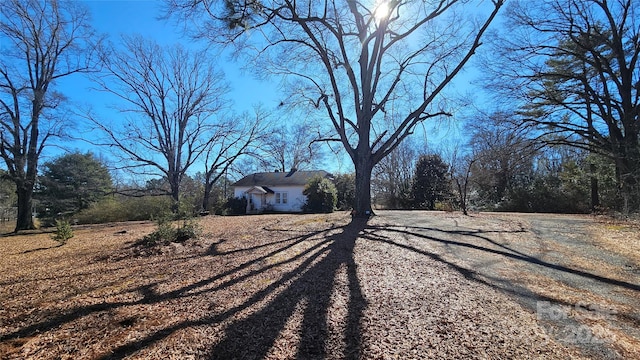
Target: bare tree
(355,60)
(43,41)
(171,98)
(461,165)
(502,151)
(232,140)
(575,64)
(290,146)
(391,182)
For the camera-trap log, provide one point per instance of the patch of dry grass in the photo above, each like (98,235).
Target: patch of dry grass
(620,237)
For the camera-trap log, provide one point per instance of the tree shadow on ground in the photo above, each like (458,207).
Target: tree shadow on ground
(307,288)
(42,248)
(311,289)
(525,296)
(504,251)
(324,268)
(150,295)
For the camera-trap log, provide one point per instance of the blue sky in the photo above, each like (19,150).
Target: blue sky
(115,17)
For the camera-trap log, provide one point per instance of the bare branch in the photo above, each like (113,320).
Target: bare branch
(173,98)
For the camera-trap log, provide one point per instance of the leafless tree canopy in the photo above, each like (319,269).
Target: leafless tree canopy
(377,69)
(43,41)
(290,146)
(500,151)
(237,137)
(171,98)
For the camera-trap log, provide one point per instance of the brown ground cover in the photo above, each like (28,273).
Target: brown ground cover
(268,286)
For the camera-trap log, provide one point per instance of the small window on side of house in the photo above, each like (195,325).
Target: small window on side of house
(281,197)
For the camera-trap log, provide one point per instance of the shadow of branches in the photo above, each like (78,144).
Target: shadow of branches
(292,294)
(147,294)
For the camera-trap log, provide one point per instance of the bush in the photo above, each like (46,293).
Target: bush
(63,232)
(163,234)
(189,230)
(547,194)
(322,196)
(166,233)
(235,206)
(444,206)
(125,209)
(346,190)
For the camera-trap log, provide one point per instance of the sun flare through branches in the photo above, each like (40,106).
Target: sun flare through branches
(381,10)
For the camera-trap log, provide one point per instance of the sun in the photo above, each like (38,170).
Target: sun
(381,11)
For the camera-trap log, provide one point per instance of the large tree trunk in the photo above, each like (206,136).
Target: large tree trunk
(462,193)
(175,194)
(364,166)
(24,220)
(206,197)
(27,178)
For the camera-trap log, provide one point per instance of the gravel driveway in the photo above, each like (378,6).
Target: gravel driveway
(583,293)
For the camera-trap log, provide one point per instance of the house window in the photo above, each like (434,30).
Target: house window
(281,198)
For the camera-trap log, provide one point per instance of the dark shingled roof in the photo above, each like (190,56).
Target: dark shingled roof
(291,178)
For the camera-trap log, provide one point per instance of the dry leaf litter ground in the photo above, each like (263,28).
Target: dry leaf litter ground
(401,286)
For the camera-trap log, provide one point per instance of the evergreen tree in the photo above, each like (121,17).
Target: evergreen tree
(346,187)
(322,196)
(430,182)
(72,182)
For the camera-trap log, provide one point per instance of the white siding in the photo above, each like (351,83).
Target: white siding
(239,191)
(295,198)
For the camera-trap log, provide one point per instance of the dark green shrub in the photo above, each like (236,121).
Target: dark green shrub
(188,230)
(346,190)
(547,194)
(235,206)
(164,234)
(322,196)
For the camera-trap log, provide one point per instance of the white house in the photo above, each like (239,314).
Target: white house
(275,191)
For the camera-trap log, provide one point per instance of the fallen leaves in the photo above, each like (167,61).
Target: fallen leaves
(272,286)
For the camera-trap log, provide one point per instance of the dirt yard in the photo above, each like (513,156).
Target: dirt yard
(404,285)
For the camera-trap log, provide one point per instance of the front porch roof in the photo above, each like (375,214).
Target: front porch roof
(259,190)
